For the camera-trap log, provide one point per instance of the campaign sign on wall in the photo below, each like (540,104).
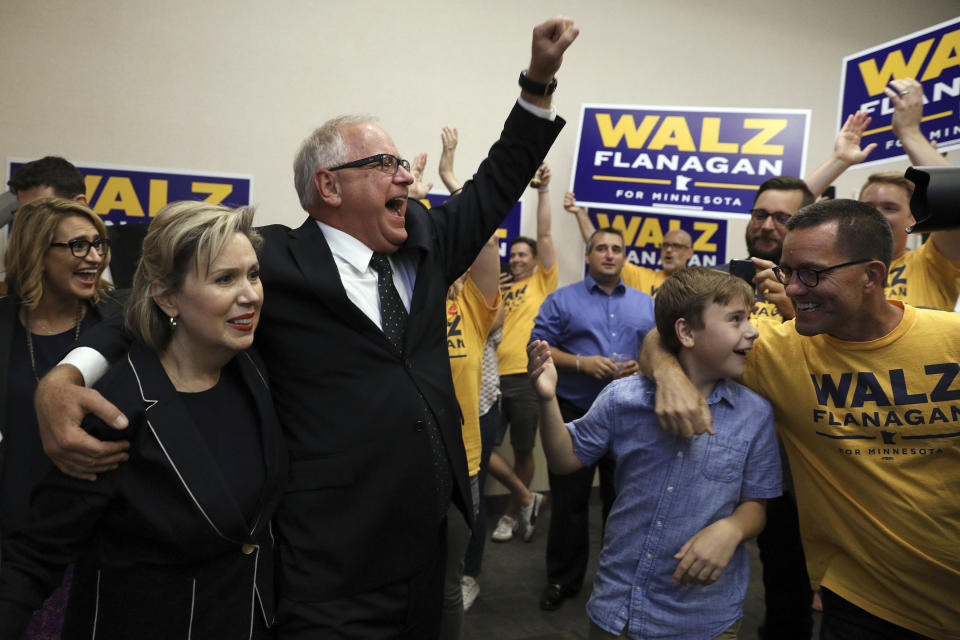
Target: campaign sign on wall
(134,194)
(509,228)
(932,56)
(684,158)
(643,233)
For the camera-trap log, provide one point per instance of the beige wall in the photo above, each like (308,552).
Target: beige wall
(233,86)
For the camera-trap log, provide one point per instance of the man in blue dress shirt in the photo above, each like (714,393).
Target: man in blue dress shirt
(594,329)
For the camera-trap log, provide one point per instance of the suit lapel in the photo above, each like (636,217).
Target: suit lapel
(418,241)
(184,448)
(271,438)
(319,270)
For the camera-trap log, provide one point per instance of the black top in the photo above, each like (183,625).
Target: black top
(25,462)
(226,418)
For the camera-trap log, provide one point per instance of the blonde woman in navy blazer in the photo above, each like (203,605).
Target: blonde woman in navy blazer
(181,532)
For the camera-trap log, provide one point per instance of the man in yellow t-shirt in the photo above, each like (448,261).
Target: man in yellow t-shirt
(924,277)
(866,395)
(533,272)
(675,251)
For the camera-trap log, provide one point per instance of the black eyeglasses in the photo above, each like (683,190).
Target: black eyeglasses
(389,163)
(80,247)
(780,217)
(674,246)
(807,276)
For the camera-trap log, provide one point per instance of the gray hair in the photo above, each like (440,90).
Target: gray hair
(321,149)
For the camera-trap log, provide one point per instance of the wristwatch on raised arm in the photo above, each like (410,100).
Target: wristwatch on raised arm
(536,88)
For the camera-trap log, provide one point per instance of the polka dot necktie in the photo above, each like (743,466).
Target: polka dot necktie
(393,315)
(393,319)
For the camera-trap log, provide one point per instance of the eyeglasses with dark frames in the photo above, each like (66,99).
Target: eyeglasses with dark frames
(760,215)
(389,163)
(80,247)
(808,277)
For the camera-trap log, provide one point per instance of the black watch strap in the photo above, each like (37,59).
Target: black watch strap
(536,88)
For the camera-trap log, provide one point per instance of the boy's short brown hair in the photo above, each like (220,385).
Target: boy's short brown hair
(687,293)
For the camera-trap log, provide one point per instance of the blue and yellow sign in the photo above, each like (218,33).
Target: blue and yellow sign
(643,234)
(509,228)
(684,158)
(124,195)
(932,56)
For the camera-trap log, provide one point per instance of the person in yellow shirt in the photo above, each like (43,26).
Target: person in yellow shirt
(472,303)
(866,399)
(675,251)
(533,275)
(924,277)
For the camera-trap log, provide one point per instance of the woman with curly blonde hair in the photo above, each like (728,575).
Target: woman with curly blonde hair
(56,255)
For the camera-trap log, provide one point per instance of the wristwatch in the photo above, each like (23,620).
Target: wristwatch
(536,88)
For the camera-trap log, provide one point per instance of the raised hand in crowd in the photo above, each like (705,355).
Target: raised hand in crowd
(419,189)
(846,153)
(906,96)
(449,138)
(583,220)
(550,40)
(546,253)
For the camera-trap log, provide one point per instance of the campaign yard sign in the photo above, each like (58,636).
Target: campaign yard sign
(691,159)
(122,195)
(643,234)
(509,228)
(932,56)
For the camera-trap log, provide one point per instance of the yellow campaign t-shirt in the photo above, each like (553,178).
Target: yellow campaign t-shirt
(764,310)
(521,304)
(646,280)
(872,431)
(468,323)
(924,278)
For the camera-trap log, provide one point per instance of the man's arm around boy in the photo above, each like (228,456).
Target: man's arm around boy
(706,554)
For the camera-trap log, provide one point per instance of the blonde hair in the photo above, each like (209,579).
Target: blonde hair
(183,238)
(34,228)
(888,177)
(687,293)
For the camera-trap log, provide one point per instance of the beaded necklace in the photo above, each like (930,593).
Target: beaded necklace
(33,358)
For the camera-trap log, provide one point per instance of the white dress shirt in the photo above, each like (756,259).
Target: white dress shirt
(359,279)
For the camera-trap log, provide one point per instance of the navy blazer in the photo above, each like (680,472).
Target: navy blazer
(175,554)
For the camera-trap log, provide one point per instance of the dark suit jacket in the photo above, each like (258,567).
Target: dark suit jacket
(173,549)
(359,511)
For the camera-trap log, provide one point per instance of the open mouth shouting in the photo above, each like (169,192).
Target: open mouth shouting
(87,277)
(397,205)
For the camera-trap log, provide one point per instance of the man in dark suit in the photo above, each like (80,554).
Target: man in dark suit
(353,333)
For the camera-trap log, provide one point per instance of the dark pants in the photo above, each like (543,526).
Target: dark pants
(489,429)
(786,585)
(845,621)
(408,610)
(568,540)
